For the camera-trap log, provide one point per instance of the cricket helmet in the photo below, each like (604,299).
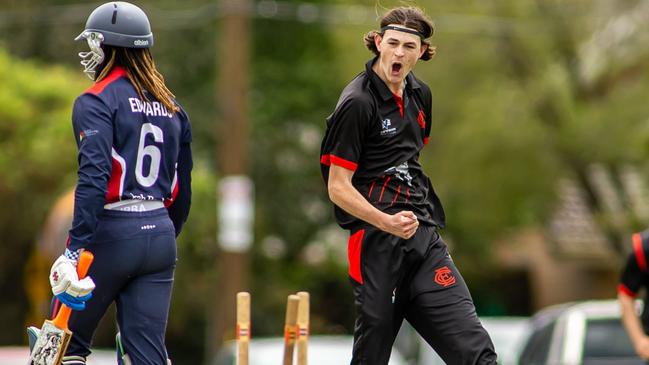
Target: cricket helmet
(118,24)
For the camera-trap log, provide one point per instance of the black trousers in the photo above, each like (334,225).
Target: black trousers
(135,258)
(395,279)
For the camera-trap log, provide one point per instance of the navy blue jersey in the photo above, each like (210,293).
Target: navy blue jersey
(129,149)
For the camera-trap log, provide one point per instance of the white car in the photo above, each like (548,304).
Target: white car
(507,334)
(581,333)
(322,350)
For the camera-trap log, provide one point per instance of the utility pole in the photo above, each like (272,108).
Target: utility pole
(235,190)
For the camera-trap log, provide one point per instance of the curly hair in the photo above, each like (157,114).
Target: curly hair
(409,17)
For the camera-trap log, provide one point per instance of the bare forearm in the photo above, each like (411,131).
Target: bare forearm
(630,318)
(343,193)
(346,197)
(632,324)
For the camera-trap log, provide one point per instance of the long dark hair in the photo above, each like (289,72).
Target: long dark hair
(142,72)
(409,17)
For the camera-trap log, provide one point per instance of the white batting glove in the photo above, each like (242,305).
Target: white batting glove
(66,285)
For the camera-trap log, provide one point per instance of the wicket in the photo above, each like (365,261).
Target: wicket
(302,328)
(296,328)
(243,327)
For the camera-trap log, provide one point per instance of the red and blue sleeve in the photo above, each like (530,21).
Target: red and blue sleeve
(179,209)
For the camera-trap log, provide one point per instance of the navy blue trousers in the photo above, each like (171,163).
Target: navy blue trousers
(396,279)
(135,258)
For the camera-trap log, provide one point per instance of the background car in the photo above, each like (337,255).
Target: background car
(323,350)
(507,334)
(587,333)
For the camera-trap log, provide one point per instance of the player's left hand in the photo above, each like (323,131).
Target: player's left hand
(66,285)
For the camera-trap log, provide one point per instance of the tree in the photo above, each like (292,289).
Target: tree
(37,164)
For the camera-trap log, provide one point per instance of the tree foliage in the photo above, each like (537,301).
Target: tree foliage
(37,159)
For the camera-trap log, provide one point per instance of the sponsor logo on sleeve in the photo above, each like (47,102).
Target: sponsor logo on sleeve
(87,133)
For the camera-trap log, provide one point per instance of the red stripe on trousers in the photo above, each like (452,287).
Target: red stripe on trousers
(354,246)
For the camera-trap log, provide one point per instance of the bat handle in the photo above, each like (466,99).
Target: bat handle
(63,316)
(85,259)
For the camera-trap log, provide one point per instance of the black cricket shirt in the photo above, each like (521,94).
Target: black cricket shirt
(379,136)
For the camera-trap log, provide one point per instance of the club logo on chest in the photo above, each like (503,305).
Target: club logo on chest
(387,129)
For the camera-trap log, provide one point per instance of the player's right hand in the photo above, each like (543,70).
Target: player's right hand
(403,224)
(66,285)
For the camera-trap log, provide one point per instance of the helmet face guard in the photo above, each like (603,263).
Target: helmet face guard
(93,58)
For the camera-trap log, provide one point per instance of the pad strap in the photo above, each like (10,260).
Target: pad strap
(73,360)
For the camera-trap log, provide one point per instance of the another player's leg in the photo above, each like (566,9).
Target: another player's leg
(122,356)
(443,313)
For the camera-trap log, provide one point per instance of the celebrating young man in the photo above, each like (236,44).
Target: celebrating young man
(399,265)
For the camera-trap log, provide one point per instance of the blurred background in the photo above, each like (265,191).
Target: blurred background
(538,151)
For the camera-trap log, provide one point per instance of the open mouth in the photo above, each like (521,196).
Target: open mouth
(396,68)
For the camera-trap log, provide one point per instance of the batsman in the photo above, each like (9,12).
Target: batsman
(399,266)
(133,190)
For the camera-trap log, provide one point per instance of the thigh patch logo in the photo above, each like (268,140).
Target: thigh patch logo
(444,276)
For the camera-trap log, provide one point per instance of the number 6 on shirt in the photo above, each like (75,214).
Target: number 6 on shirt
(152,151)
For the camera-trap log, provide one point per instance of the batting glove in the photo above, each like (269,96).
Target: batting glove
(65,282)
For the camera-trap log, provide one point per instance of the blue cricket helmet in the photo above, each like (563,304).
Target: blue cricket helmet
(121,24)
(117,24)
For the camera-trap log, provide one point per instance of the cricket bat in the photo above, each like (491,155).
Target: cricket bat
(302,328)
(290,330)
(55,335)
(243,327)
